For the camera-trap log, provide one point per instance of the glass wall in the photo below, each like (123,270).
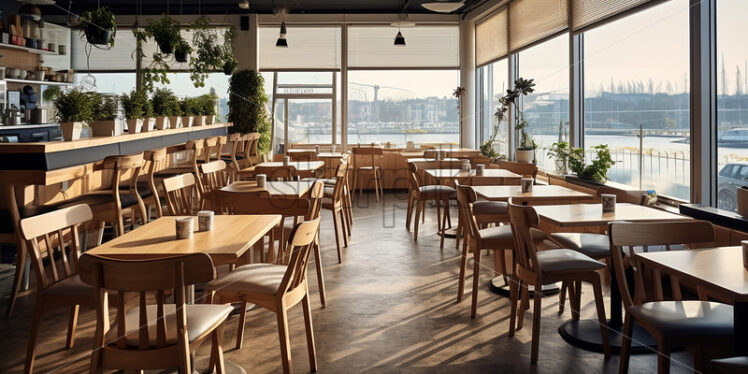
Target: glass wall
(636,97)
(398,106)
(547,109)
(732,101)
(493,85)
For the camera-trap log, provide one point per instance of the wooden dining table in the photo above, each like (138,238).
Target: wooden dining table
(276,189)
(719,271)
(574,217)
(539,194)
(489,176)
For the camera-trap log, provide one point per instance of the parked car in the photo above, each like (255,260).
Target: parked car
(730,177)
(734,136)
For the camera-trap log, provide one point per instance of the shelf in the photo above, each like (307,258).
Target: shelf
(30,81)
(27,49)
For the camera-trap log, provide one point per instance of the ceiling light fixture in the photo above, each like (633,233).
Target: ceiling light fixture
(282,42)
(399,39)
(244,4)
(444,6)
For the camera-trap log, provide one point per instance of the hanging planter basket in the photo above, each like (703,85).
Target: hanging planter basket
(97,36)
(180,56)
(165,46)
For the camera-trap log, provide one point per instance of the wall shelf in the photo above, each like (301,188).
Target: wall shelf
(30,81)
(27,49)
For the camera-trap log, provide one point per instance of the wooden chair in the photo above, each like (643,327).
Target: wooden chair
(119,200)
(251,151)
(277,173)
(420,194)
(276,288)
(238,145)
(152,336)
(335,201)
(485,213)
(181,194)
(546,267)
(47,236)
(522,168)
(214,176)
(676,323)
(367,160)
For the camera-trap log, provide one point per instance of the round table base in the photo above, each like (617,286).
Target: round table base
(585,334)
(449,233)
(201,366)
(498,287)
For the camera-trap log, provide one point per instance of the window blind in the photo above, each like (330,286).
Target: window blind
(308,48)
(491,39)
(588,12)
(533,20)
(426,47)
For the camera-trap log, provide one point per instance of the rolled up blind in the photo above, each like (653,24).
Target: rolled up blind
(426,47)
(533,20)
(491,38)
(308,48)
(588,12)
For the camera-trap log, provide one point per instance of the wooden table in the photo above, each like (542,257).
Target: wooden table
(489,177)
(540,193)
(719,270)
(586,333)
(277,190)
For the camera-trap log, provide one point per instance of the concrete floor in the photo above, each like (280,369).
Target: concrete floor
(391,309)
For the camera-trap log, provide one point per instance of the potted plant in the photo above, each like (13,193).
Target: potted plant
(138,111)
(207,109)
(190,109)
(560,152)
(73,109)
(598,169)
(230,65)
(166,107)
(210,56)
(182,51)
(247,106)
(104,114)
(99,26)
(166,33)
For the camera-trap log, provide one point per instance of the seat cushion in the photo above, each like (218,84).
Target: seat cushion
(438,191)
(731,365)
(593,245)
(126,199)
(201,319)
(6,223)
(566,261)
(500,237)
(689,319)
(71,287)
(490,207)
(252,278)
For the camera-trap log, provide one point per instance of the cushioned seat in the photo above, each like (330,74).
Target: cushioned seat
(499,237)
(566,261)
(490,207)
(731,365)
(252,278)
(328,191)
(593,245)
(437,190)
(71,286)
(6,223)
(201,319)
(689,319)
(126,199)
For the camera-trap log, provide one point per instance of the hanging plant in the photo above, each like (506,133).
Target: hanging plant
(181,51)
(229,62)
(166,34)
(155,72)
(210,56)
(99,26)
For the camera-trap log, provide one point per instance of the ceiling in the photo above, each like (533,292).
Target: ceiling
(255,6)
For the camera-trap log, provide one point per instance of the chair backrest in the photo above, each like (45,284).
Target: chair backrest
(340,181)
(304,156)
(211,144)
(625,236)
(197,147)
(251,150)
(299,247)
(466,196)
(413,177)
(181,194)
(144,277)
(120,166)
(523,220)
(521,168)
(214,176)
(316,195)
(277,173)
(47,235)
(366,156)
(156,161)
(238,142)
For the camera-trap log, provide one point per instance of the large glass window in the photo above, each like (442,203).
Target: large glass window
(493,85)
(636,97)
(547,109)
(732,101)
(398,106)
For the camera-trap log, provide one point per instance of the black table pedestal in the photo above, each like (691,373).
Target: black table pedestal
(585,334)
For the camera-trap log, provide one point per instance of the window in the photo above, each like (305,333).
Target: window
(732,101)
(636,97)
(107,83)
(398,106)
(493,85)
(547,109)
(216,83)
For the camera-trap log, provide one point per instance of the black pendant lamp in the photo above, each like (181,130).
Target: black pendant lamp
(282,42)
(399,39)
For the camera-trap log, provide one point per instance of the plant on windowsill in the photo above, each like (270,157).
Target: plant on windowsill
(99,26)
(138,111)
(74,109)
(104,114)
(560,152)
(166,107)
(598,169)
(525,151)
(247,106)
(190,111)
(206,106)
(488,147)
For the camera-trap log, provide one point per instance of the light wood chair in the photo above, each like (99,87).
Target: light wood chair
(156,160)
(367,160)
(485,213)
(675,323)
(277,173)
(214,176)
(181,194)
(538,268)
(238,146)
(419,194)
(335,201)
(252,150)
(276,288)
(47,236)
(152,336)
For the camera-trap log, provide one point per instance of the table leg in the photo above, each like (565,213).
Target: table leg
(740,326)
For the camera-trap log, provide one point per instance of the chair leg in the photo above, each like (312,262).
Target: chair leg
(628,330)
(283,335)
(337,237)
(240,326)
(216,356)
(448,214)
(376,184)
(562,296)
(600,306)
(444,222)
(438,216)
(409,212)
(463,269)
(538,297)
(309,333)
(577,300)
(523,305)
(72,324)
(346,217)
(423,211)
(419,207)
(320,277)
(342,227)
(514,291)
(476,280)
(663,358)
(31,349)
(18,276)
(459,234)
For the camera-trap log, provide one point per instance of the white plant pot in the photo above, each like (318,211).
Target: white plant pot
(175,122)
(523,155)
(134,125)
(72,130)
(104,128)
(149,124)
(211,120)
(187,121)
(162,123)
